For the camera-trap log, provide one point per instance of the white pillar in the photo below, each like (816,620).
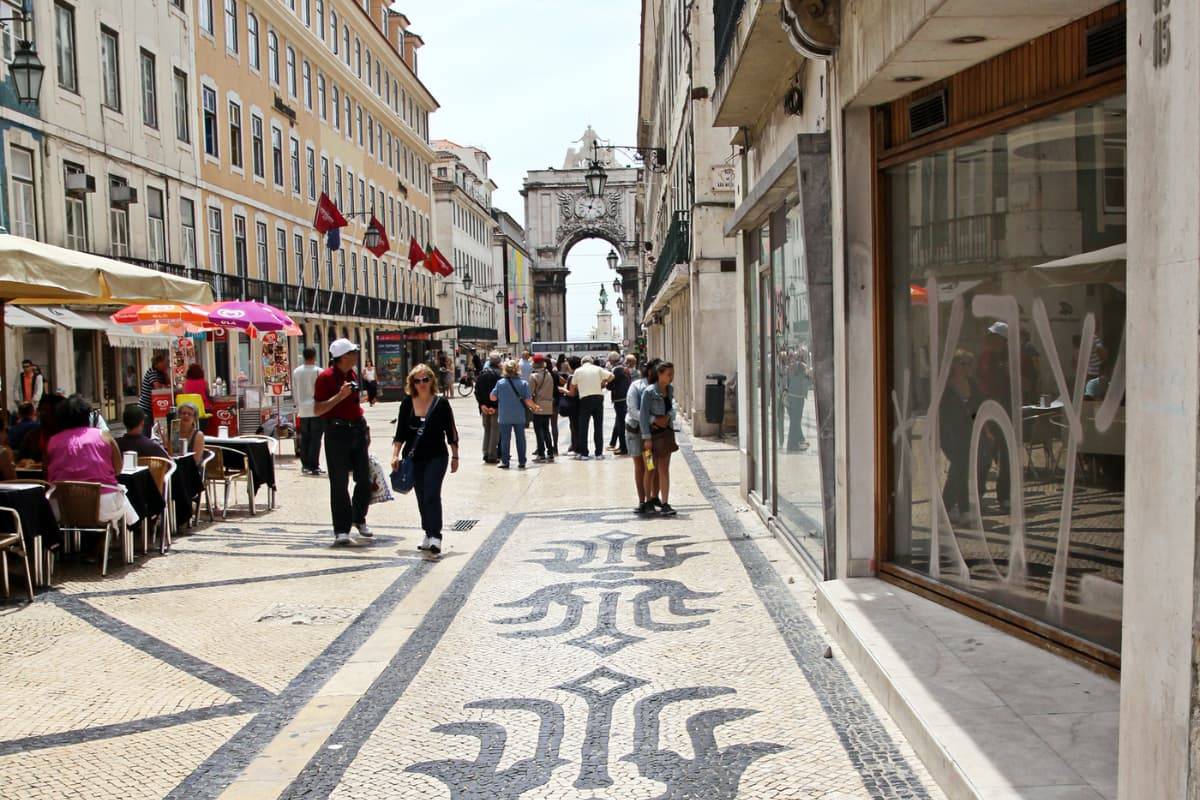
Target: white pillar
(1158,669)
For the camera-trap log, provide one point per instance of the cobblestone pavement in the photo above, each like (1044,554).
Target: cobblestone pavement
(562,648)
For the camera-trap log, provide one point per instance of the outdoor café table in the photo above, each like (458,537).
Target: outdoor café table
(186,485)
(142,492)
(37,522)
(262,464)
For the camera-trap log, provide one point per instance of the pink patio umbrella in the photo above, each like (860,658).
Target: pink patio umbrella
(252,317)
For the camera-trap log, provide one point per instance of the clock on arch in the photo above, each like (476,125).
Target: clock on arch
(590,208)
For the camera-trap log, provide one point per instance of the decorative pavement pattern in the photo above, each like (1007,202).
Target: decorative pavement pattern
(551,654)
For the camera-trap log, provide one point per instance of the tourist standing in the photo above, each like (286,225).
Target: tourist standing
(484,383)
(657,423)
(623,375)
(347,438)
(512,398)
(646,483)
(424,427)
(542,392)
(309,426)
(525,365)
(155,377)
(587,383)
(32,385)
(570,402)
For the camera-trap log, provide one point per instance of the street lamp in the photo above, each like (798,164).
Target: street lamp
(522,307)
(467,282)
(620,305)
(500,297)
(612,259)
(596,178)
(26,68)
(372,238)
(617,286)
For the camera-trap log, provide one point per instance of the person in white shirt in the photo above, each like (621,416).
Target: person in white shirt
(525,365)
(309,425)
(588,384)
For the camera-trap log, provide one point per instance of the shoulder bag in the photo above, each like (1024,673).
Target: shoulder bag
(404,476)
(521,401)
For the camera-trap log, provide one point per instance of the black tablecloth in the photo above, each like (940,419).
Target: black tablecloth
(262,465)
(142,492)
(186,484)
(37,517)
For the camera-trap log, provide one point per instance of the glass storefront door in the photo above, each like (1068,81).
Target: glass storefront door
(1007,304)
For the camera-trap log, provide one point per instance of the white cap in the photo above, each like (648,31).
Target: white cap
(339,348)
(998,328)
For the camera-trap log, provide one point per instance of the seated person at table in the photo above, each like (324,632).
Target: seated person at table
(26,421)
(195,383)
(33,441)
(135,439)
(8,472)
(79,452)
(188,431)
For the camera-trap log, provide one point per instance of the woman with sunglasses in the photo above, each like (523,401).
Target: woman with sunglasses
(424,427)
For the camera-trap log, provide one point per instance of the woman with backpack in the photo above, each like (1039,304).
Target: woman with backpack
(424,427)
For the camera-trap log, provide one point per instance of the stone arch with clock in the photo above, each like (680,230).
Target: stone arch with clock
(560,213)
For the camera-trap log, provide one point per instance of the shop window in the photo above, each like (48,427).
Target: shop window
(1007,381)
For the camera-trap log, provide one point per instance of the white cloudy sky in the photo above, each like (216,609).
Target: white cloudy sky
(522,79)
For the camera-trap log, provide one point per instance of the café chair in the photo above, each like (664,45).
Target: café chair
(273,447)
(14,543)
(217,472)
(209,456)
(77,505)
(195,400)
(161,469)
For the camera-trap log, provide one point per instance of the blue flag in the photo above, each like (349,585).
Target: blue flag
(333,239)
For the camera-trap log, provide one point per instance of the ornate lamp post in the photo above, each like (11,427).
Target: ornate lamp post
(467,282)
(26,69)
(613,259)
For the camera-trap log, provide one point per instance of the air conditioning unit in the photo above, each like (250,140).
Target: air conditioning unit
(79,183)
(122,194)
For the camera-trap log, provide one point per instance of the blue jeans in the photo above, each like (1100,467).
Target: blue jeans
(506,445)
(427,486)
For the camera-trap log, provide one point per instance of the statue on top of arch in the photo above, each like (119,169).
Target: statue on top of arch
(581,157)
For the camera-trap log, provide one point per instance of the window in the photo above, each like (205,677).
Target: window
(216,244)
(307,15)
(341,268)
(322,105)
(206,16)
(349,120)
(118,221)
(358,121)
(110,70)
(231,26)
(370,135)
(252,43)
(346,44)
(272,57)
(239,245)
(75,216)
(281,256)
(235,134)
(362,194)
(333,29)
(298,247)
(390,160)
(368,60)
(291,71)
(295,154)
(306,74)
(329,268)
(210,121)
(354,272)
(337,184)
(350,189)
(324,174)
(312,173)
(149,91)
(314,258)
(64,27)
(187,223)
(182,110)
(321,19)
(337,109)
(256,145)
(156,230)
(277,155)
(260,241)
(358,58)
(24,214)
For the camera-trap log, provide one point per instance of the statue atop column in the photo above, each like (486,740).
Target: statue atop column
(603,299)
(578,158)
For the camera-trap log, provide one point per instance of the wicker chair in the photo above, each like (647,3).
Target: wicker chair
(77,504)
(161,469)
(14,543)
(216,472)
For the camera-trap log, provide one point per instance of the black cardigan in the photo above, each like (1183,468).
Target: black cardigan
(440,430)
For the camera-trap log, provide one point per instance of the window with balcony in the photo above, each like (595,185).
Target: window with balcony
(187,225)
(216,242)
(298,245)
(156,225)
(75,213)
(261,249)
(281,255)
(240,257)
(118,220)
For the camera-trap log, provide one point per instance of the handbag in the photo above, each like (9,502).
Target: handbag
(404,476)
(528,413)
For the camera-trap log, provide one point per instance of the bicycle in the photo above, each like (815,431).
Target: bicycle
(466,384)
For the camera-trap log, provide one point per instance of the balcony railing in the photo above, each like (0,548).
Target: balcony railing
(725,18)
(298,299)
(964,240)
(676,249)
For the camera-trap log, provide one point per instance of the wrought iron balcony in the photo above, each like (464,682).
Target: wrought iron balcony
(676,249)
(725,17)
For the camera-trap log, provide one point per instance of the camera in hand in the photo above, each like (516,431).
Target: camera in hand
(353,385)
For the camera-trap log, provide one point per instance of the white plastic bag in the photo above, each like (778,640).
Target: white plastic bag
(380,491)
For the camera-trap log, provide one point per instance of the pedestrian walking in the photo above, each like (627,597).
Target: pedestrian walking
(484,383)
(424,428)
(347,439)
(512,397)
(542,391)
(587,384)
(658,431)
(309,426)
(618,388)
(446,372)
(370,381)
(646,482)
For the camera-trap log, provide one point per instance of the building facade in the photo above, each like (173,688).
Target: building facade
(464,232)
(521,323)
(689,296)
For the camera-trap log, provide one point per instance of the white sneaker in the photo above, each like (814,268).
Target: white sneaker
(424,545)
(341,538)
(600,456)
(364,530)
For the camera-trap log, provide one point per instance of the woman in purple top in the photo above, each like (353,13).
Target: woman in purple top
(79,452)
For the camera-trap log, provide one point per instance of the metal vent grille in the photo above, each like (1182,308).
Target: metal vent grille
(927,114)
(464,525)
(1106,45)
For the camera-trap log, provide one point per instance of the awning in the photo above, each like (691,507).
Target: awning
(20,318)
(673,285)
(69,319)
(419,333)
(119,335)
(1106,265)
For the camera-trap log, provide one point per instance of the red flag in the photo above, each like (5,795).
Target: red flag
(415,254)
(438,265)
(384,245)
(327,215)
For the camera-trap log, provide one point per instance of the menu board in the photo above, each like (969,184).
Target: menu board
(276,370)
(389,362)
(183,355)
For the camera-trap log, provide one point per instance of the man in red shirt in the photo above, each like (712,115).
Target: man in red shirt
(347,438)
